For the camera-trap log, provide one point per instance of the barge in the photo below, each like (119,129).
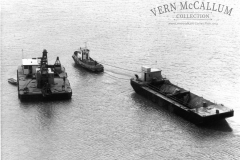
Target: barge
(38,79)
(82,58)
(188,105)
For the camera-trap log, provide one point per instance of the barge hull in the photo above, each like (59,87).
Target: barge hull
(31,96)
(175,107)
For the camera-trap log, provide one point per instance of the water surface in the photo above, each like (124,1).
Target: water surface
(105,119)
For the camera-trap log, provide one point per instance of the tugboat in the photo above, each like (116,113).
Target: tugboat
(36,78)
(161,91)
(83,59)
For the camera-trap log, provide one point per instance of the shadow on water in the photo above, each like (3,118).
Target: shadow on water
(221,125)
(146,105)
(46,115)
(84,74)
(47,110)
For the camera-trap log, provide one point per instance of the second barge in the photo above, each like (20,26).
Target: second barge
(161,91)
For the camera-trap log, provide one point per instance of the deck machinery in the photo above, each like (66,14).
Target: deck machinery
(36,78)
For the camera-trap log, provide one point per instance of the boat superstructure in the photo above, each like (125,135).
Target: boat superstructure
(83,59)
(37,78)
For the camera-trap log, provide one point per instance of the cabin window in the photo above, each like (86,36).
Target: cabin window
(25,67)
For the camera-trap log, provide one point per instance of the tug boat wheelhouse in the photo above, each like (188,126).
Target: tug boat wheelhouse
(161,91)
(83,59)
(36,78)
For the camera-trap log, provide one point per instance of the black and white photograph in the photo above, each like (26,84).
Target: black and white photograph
(120,80)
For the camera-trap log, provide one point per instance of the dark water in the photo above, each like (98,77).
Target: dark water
(105,119)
